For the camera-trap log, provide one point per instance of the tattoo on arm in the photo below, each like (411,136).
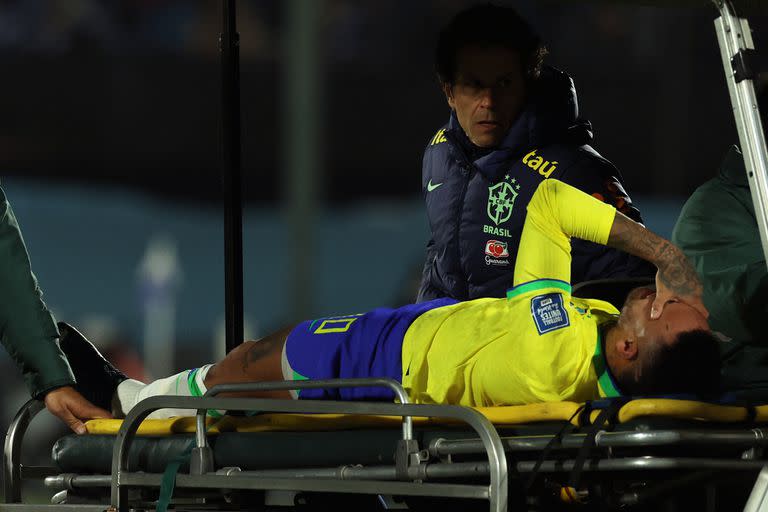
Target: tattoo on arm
(265,347)
(675,271)
(257,351)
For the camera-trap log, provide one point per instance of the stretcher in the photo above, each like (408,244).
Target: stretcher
(629,454)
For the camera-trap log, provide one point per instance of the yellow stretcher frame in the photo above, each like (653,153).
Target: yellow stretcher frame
(499,416)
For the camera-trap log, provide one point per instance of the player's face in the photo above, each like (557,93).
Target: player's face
(488,93)
(676,317)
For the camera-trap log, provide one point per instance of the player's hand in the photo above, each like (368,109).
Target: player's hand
(72,408)
(676,280)
(689,294)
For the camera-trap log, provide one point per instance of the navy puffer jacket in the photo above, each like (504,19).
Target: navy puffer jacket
(476,199)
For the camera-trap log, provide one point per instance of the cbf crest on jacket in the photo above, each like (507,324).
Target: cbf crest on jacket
(476,198)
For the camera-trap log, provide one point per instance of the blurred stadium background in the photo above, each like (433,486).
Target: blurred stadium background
(109,141)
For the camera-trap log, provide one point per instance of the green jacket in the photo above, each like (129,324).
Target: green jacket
(27,329)
(717,229)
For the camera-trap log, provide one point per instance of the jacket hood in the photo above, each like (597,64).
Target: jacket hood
(554,111)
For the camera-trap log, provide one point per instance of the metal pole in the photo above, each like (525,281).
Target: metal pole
(229,41)
(392,384)
(736,50)
(12,450)
(758,501)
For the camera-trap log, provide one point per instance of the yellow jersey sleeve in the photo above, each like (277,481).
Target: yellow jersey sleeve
(557,212)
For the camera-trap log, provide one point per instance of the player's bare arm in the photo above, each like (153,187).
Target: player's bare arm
(676,278)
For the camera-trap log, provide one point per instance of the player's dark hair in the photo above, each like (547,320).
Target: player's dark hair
(488,25)
(689,365)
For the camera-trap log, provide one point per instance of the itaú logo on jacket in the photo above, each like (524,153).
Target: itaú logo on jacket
(537,163)
(496,253)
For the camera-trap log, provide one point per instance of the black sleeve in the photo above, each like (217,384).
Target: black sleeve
(602,180)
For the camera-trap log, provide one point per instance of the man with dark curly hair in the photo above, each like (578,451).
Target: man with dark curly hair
(514,123)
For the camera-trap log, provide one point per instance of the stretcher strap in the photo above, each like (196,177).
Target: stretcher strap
(551,445)
(606,415)
(751,413)
(168,482)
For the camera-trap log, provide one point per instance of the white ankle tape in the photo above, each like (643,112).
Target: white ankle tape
(185,383)
(196,380)
(196,383)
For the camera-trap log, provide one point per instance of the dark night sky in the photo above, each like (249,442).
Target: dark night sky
(127,93)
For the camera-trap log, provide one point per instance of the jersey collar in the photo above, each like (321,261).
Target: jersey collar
(605,383)
(538,284)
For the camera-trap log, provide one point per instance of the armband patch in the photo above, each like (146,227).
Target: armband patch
(549,313)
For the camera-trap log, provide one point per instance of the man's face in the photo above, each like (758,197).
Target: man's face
(677,317)
(488,93)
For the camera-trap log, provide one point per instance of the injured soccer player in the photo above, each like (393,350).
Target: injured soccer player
(538,344)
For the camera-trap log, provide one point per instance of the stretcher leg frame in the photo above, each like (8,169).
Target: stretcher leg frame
(392,384)
(495,492)
(12,450)
(202,458)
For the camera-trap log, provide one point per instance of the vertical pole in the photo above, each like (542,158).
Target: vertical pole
(301,147)
(758,498)
(736,48)
(229,41)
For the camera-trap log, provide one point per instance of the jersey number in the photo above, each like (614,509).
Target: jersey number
(336,324)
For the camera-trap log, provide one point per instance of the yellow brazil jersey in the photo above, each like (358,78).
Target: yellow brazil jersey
(536,345)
